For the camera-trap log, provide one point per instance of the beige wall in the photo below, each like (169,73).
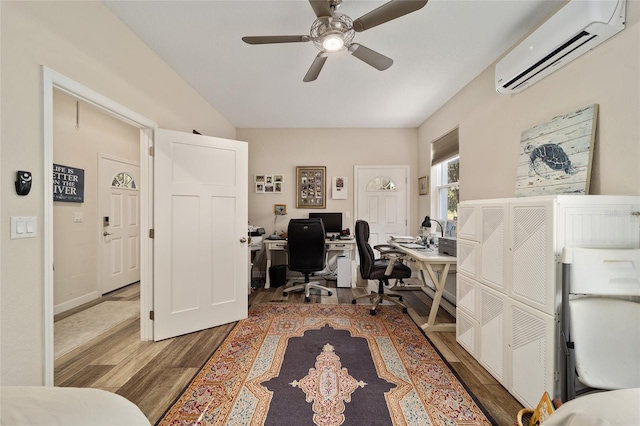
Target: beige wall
(490,124)
(76,279)
(87,43)
(279,151)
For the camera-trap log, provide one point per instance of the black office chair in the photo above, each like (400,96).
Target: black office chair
(307,252)
(388,266)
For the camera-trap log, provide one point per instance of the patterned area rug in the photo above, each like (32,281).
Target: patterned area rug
(315,364)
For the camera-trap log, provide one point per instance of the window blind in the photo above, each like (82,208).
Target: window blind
(444,147)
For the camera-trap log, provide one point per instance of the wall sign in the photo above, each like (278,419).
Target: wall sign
(68,184)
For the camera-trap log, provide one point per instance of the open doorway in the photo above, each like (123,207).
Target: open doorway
(222,166)
(53,81)
(96,191)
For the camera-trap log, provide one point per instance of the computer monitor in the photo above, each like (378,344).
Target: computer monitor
(332,222)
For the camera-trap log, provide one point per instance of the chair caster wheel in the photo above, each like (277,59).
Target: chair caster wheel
(307,299)
(404,310)
(353,302)
(400,299)
(330,294)
(372,312)
(284,293)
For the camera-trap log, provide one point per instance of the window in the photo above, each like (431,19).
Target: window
(445,170)
(381,183)
(123,180)
(447,188)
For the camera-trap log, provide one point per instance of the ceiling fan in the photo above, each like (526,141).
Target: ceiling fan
(333,32)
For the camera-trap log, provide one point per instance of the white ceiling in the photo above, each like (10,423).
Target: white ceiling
(436,51)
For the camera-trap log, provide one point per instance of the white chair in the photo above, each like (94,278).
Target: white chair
(601,330)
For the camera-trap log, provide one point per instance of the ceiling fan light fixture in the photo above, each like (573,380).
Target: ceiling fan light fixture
(333,42)
(331,34)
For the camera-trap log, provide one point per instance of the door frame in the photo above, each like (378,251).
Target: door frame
(52,80)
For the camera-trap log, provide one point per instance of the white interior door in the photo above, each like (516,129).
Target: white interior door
(381,200)
(120,220)
(200,227)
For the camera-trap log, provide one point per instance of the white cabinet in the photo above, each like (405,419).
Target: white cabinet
(509,278)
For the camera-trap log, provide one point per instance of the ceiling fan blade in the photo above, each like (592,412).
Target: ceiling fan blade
(371,57)
(321,8)
(316,67)
(387,12)
(275,39)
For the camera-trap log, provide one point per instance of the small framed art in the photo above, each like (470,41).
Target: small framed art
(311,186)
(423,185)
(279,209)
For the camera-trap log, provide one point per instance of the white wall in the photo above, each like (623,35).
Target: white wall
(87,43)
(490,124)
(76,252)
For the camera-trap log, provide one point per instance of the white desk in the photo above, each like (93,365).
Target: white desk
(345,246)
(432,261)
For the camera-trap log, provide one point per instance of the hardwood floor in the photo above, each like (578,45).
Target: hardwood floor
(154,374)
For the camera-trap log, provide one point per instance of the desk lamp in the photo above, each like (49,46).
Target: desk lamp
(275,219)
(426,223)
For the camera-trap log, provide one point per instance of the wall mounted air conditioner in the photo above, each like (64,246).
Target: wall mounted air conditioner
(575,29)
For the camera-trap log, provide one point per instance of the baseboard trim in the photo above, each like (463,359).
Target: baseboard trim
(62,307)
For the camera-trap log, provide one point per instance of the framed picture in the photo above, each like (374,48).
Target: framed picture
(339,188)
(311,187)
(268,184)
(555,157)
(423,185)
(280,209)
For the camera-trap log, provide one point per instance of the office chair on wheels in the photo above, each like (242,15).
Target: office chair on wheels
(307,252)
(388,266)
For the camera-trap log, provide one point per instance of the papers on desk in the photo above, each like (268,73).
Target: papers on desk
(403,239)
(413,243)
(407,242)
(413,246)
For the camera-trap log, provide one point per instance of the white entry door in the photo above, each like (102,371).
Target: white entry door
(381,200)
(120,223)
(200,232)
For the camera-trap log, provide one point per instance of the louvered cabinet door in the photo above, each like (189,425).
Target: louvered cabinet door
(531,346)
(469,224)
(468,258)
(493,246)
(532,260)
(467,325)
(493,337)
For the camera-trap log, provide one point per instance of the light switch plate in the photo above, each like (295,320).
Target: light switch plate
(78,217)
(23,227)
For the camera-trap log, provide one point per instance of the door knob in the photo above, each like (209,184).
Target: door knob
(243,240)
(107,233)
